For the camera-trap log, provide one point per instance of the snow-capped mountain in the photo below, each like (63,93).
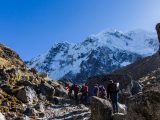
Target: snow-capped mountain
(98,54)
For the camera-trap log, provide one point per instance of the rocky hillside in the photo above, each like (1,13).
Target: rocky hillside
(143,104)
(8,58)
(97,55)
(26,94)
(144,72)
(146,69)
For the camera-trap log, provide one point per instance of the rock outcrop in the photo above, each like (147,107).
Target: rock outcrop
(46,90)
(9,58)
(60,91)
(101,109)
(144,106)
(27,95)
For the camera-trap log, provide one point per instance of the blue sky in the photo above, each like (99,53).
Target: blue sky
(31,27)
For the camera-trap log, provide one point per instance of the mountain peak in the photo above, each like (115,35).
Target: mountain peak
(107,32)
(97,54)
(61,44)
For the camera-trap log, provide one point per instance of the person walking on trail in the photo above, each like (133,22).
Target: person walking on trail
(69,90)
(95,91)
(158,33)
(84,97)
(76,90)
(112,94)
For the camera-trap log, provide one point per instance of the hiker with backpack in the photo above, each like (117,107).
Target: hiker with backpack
(84,96)
(112,94)
(95,90)
(76,90)
(69,90)
(102,92)
(158,33)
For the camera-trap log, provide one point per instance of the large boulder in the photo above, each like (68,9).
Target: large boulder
(25,83)
(144,106)
(136,87)
(101,109)
(46,90)
(27,95)
(60,91)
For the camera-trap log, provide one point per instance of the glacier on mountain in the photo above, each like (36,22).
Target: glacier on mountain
(98,54)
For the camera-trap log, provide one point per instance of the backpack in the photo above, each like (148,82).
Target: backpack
(113,87)
(102,92)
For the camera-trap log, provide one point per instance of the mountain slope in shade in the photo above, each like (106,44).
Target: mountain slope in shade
(97,55)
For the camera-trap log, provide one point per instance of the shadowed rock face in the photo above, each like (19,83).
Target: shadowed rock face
(27,95)
(141,68)
(100,109)
(144,106)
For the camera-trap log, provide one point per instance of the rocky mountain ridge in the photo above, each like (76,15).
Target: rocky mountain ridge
(26,94)
(97,55)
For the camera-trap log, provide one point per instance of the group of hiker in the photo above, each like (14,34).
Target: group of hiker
(83,90)
(111,93)
(81,94)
